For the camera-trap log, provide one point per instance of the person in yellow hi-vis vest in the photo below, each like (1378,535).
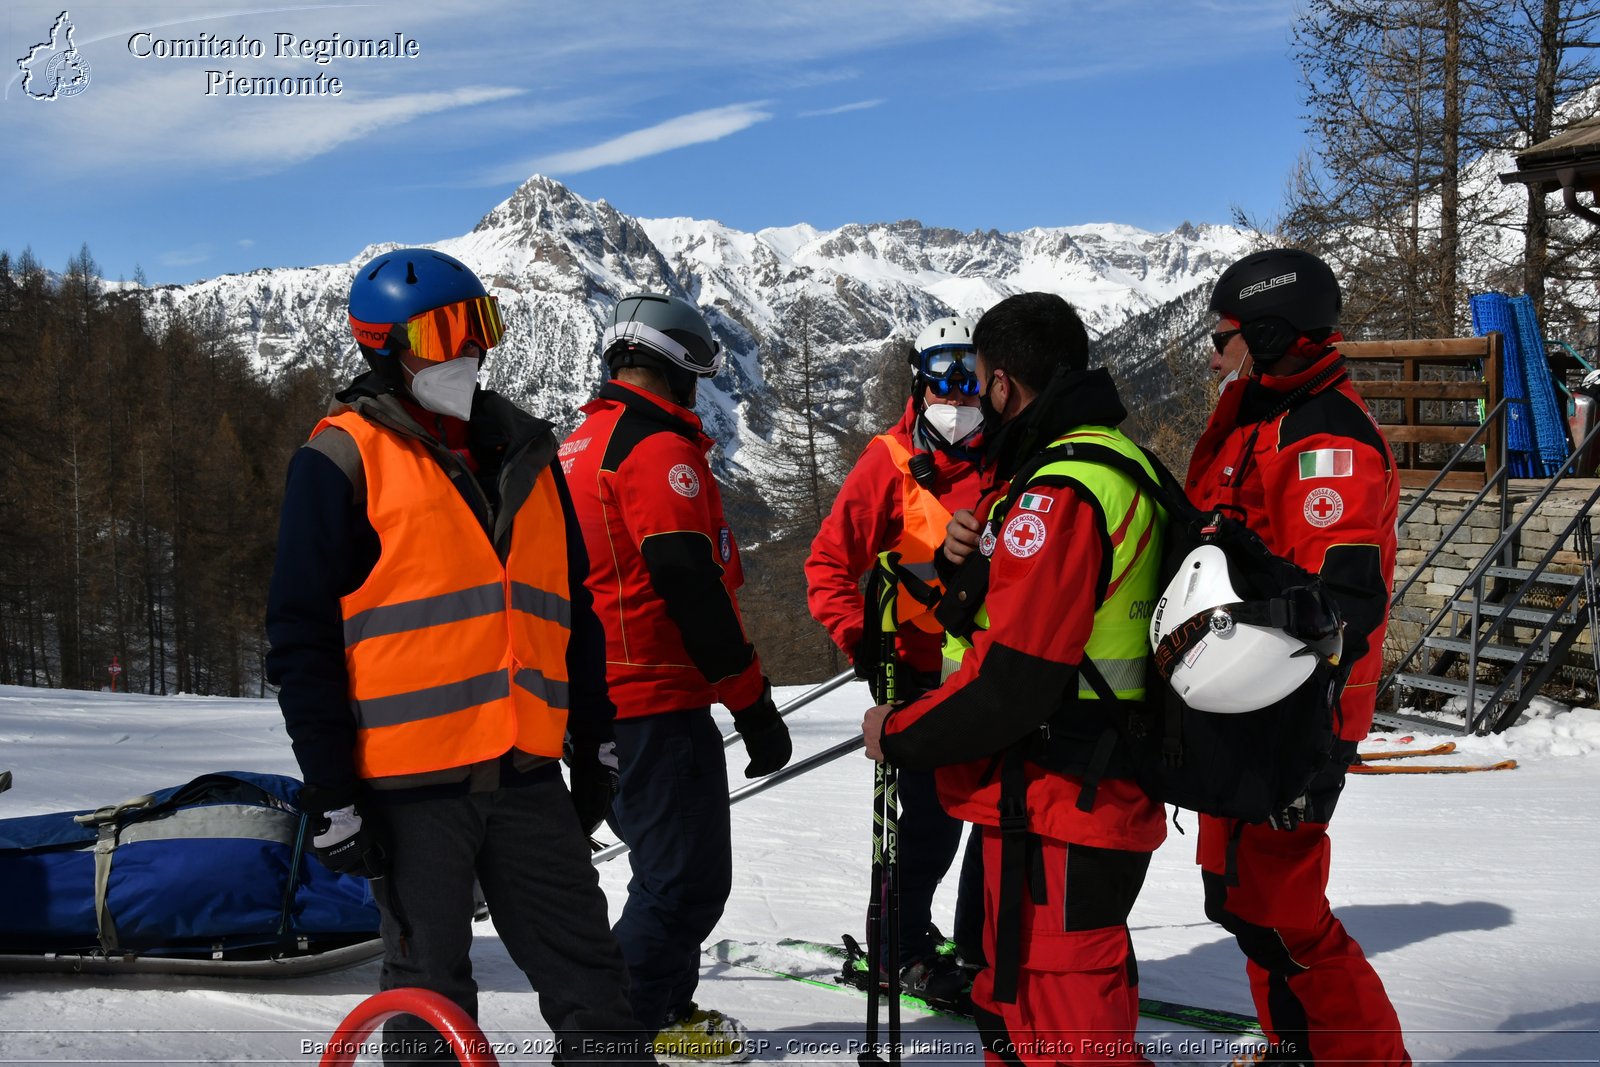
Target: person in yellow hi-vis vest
(1054,573)
(899,497)
(436,648)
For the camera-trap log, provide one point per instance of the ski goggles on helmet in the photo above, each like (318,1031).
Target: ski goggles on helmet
(950,367)
(439,335)
(705,363)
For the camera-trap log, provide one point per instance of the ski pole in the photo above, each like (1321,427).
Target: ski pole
(794,770)
(883,908)
(801,701)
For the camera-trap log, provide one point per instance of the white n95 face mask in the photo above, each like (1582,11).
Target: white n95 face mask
(446,388)
(954,424)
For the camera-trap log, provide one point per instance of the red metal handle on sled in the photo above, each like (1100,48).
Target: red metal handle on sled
(466,1040)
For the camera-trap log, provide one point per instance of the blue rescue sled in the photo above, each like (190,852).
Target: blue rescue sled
(211,877)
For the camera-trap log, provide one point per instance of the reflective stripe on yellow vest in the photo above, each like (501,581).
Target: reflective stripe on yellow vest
(1119,641)
(452,657)
(922,530)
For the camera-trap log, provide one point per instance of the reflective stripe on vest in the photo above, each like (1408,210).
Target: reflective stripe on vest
(452,657)
(1119,641)
(922,530)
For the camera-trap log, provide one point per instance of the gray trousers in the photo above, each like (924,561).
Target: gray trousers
(524,846)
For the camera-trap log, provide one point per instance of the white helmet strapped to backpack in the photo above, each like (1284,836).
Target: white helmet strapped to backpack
(1223,654)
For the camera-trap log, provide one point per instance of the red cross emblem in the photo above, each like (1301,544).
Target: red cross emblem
(1024,534)
(1323,507)
(684,481)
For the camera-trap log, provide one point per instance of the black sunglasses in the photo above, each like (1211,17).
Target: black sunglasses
(1221,338)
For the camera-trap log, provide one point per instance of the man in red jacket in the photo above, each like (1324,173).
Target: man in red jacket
(1293,452)
(1069,550)
(663,571)
(899,497)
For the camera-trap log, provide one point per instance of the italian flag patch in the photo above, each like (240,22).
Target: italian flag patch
(1326,463)
(1035,502)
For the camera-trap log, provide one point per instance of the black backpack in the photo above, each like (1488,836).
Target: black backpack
(1248,766)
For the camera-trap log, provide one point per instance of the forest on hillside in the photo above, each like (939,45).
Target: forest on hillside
(142,464)
(140,478)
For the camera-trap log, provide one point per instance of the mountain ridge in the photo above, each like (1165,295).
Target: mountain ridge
(558,262)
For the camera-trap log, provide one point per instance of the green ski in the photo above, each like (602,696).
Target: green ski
(820,964)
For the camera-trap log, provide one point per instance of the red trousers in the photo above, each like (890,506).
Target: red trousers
(1315,993)
(1078,984)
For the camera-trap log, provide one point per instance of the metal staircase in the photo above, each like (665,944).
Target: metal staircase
(1507,628)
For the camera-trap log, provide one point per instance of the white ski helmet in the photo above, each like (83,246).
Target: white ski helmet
(1212,657)
(952,331)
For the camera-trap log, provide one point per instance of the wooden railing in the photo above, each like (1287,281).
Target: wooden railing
(1473,366)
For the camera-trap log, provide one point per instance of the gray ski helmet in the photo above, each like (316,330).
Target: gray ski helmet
(1276,297)
(663,327)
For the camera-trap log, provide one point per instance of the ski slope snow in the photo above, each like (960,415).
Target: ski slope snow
(1473,894)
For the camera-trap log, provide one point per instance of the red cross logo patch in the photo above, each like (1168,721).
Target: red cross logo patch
(1323,506)
(1024,534)
(684,481)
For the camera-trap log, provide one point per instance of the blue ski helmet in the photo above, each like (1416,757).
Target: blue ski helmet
(400,285)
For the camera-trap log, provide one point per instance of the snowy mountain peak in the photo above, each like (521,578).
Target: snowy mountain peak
(558,261)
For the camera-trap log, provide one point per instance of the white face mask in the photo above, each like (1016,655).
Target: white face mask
(954,424)
(1226,378)
(446,388)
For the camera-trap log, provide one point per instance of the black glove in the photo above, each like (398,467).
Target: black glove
(765,737)
(1312,614)
(592,766)
(1321,795)
(863,659)
(344,841)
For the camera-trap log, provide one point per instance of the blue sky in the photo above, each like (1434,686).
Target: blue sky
(972,114)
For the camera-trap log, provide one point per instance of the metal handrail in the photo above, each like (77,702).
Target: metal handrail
(1473,716)
(1461,451)
(1499,481)
(1502,547)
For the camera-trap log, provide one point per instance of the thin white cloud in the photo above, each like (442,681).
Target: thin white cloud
(278,137)
(185,257)
(138,126)
(859,105)
(697,127)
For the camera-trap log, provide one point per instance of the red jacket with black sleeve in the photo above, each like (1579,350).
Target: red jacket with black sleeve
(1317,482)
(663,566)
(868,517)
(1020,671)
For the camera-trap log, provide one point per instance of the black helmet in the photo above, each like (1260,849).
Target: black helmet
(1278,296)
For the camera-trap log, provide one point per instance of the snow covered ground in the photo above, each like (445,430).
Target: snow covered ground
(1474,895)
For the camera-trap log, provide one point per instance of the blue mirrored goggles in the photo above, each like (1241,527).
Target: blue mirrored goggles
(943,387)
(941,362)
(952,368)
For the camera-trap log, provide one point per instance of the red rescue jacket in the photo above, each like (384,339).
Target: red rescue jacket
(663,566)
(1318,484)
(1041,601)
(868,517)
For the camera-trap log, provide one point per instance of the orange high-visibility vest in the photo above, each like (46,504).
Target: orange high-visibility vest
(922,530)
(452,657)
